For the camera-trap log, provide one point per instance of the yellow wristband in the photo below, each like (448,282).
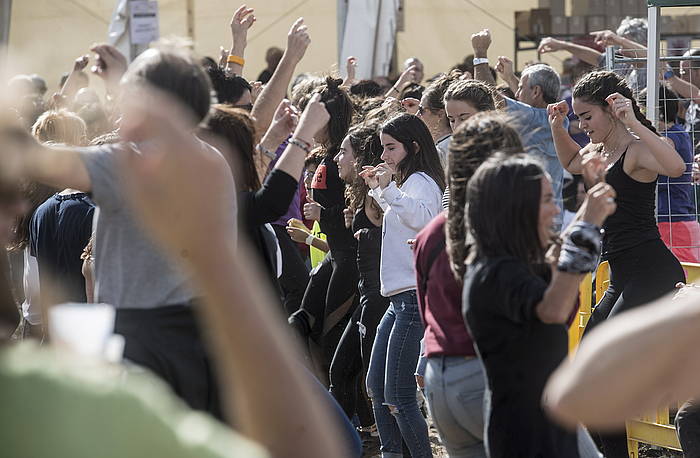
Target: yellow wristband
(235,60)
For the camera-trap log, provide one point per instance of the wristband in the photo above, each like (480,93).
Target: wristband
(581,249)
(309,240)
(231,59)
(266,152)
(480,60)
(669,74)
(300,144)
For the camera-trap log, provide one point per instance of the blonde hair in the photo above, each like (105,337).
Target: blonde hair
(60,126)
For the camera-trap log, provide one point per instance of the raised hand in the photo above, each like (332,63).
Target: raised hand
(223,56)
(313,119)
(384,174)
(481,41)
(110,65)
(594,167)
(369,174)
(556,113)
(504,67)
(283,123)
(255,89)
(297,41)
(605,37)
(241,21)
(550,44)
(312,209)
(622,109)
(351,69)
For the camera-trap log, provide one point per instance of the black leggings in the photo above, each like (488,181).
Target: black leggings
(295,274)
(638,276)
(351,360)
(329,302)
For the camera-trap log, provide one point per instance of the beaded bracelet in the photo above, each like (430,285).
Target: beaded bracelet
(300,143)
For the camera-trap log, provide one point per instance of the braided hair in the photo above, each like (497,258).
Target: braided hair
(595,87)
(474,141)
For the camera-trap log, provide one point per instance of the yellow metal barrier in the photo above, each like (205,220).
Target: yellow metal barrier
(655,429)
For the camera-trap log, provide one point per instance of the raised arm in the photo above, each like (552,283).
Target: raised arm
(584,53)
(567,149)
(560,296)
(628,48)
(292,422)
(273,93)
(684,88)
(662,158)
(241,21)
(504,68)
(480,44)
(70,87)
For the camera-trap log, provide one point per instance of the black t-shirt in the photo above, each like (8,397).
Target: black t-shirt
(59,230)
(519,353)
(328,189)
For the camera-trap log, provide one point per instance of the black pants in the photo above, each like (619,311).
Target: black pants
(640,275)
(295,274)
(349,366)
(688,428)
(167,340)
(329,302)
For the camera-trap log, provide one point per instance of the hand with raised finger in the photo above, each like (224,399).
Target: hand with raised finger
(242,20)
(504,67)
(297,41)
(599,204)
(557,113)
(312,209)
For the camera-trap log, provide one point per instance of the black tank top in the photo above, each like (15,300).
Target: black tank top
(369,248)
(634,221)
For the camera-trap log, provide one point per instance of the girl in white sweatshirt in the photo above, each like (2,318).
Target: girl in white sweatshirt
(408,186)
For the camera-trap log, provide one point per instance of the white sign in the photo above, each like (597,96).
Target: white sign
(143,18)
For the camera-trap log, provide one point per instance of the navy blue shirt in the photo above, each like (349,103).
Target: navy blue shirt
(678,192)
(58,232)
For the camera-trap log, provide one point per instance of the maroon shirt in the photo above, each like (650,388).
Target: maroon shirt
(440,301)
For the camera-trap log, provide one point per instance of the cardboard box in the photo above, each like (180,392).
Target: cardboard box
(588,7)
(613,7)
(595,23)
(560,25)
(522,23)
(540,22)
(556,7)
(577,25)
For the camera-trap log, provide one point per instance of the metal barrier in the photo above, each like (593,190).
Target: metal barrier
(654,429)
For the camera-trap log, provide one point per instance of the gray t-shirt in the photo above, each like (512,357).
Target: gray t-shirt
(130,270)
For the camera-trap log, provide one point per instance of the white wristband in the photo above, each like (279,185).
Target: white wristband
(309,240)
(480,60)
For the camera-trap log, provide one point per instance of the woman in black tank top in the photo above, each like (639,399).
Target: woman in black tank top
(629,155)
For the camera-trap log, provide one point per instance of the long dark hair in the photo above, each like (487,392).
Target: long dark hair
(339,108)
(595,87)
(409,130)
(236,127)
(472,143)
(367,149)
(503,204)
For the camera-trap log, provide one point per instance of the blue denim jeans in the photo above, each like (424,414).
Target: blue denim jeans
(454,388)
(391,383)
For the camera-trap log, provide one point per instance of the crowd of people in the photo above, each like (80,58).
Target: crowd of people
(326,267)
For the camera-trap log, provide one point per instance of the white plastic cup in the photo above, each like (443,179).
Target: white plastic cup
(82,328)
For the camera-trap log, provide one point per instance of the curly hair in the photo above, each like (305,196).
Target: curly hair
(367,149)
(472,143)
(595,87)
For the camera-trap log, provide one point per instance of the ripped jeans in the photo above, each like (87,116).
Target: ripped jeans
(391,383)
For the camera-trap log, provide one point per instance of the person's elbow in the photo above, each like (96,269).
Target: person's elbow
(549,314)
(677,169)
(562,400)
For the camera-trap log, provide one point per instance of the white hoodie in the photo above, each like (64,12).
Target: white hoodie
(406,211)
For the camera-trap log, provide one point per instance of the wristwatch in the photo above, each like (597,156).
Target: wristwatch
(480,60)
